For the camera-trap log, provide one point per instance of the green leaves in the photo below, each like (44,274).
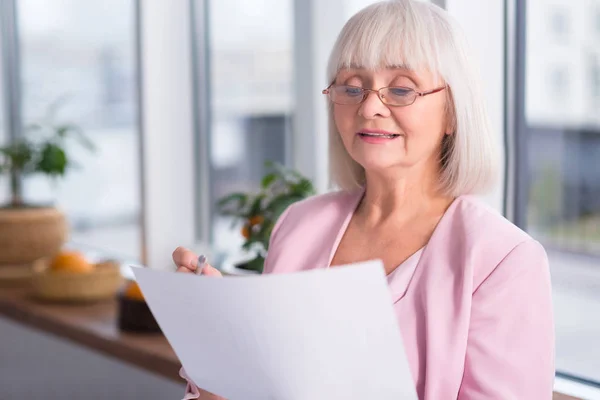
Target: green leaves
(268,180)
(53,160)
(42,149)
(18,156)
(303,188)
(258,212)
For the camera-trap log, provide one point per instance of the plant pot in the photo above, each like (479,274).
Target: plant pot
(30,233)
(135,316)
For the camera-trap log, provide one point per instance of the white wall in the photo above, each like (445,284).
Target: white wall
(168,130)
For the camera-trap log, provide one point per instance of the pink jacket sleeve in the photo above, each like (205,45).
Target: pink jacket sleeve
(510,350)
(192,391)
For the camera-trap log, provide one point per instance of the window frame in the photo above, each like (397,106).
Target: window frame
(10,69)
(518,189)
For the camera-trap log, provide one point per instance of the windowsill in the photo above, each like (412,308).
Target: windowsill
(575,389)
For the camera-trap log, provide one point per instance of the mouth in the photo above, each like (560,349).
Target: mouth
(378,134)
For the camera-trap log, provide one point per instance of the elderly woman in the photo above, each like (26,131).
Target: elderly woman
(410,144)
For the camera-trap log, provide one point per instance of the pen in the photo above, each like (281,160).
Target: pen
(200,265)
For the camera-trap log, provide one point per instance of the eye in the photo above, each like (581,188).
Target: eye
(351,91)
(400,91)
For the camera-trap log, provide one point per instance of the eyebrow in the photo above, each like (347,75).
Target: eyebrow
(405,71)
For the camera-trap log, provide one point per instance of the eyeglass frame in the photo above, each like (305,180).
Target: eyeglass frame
(366,92)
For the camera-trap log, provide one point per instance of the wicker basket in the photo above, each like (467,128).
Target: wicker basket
(102,283)
(28,234)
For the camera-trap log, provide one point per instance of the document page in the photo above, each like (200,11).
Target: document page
(310,335)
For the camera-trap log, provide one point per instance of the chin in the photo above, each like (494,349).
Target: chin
(378,164)
(377,158)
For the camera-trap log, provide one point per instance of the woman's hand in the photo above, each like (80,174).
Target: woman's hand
(187,261)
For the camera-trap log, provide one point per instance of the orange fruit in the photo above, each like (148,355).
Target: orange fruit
(133,291)
(246,231)
(71,261)
(257,220)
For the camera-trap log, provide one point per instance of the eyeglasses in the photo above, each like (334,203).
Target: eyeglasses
(392,96)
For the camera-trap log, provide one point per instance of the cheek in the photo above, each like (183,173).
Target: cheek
(344,120)
(422,122)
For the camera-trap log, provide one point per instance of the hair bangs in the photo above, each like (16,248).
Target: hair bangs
(388,35)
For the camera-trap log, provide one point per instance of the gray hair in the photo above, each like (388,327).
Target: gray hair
(419,36)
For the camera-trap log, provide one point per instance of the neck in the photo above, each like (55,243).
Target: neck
(402,195)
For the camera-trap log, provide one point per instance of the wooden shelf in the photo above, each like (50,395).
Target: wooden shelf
(95,326)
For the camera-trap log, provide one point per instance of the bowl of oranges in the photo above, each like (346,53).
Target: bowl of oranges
(69,276)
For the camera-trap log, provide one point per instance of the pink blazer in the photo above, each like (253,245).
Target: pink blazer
(475,310)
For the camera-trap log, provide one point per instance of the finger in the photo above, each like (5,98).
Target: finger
(183,257)
(209,270)
(184,269)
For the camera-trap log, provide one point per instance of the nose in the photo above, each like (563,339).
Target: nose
(373,107)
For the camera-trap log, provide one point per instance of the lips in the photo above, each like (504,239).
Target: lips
(372,133)
(379,135)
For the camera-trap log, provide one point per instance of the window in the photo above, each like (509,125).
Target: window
(558,173)
(3,122)
(559,82)
(82,55)
(594,82)
(250,99)
(4,132)
(558,23)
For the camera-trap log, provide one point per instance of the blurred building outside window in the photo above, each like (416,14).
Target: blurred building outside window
(560,168)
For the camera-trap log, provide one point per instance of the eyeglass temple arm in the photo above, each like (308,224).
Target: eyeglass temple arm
(431,91)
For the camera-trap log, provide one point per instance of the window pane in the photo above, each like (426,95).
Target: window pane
(3,122)
(561,132)
(3,133)
(84,53)
(251,98)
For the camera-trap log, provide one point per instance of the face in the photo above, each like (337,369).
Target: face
(417,129)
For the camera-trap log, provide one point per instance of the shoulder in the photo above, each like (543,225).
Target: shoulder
(308,227)
(317,211)
(489,240)
(477,221)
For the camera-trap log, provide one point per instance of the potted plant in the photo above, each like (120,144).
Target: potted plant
(259,211)
(29,232)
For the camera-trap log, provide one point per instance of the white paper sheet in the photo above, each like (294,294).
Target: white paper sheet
(319,334)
